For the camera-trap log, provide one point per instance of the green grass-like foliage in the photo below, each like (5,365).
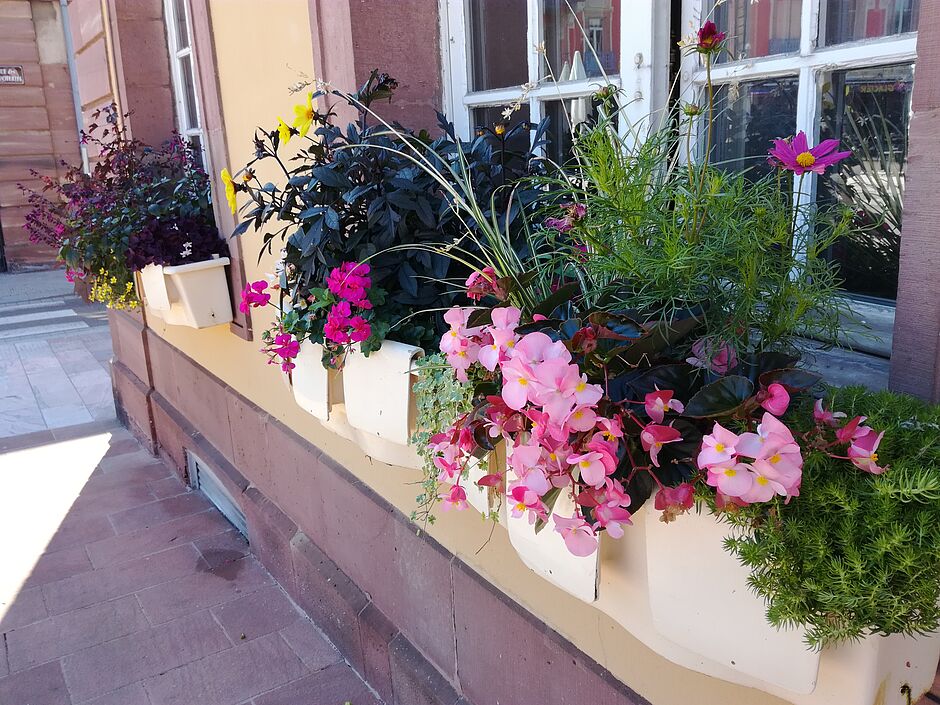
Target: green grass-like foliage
(855,554)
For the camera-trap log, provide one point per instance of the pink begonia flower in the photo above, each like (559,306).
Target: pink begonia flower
(654,436)
(594,466)
(543,427)
(537,347)
(731,479)
(763,487)
(253,295)
(863,452)
(853,429)
(771,434)
(776,399)
(717,357)
(462,358)
(659,402)
(458,334)
(717,447)
(611,428)
(825,416)
(578,535)
(455,498)
(612,518)
(796,155)
(673,501)
(582,418)
(523,457)
(517,383)
(725,503)
(525,502)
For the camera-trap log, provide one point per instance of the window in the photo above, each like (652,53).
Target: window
(183,72)
(559,49)
(832,68)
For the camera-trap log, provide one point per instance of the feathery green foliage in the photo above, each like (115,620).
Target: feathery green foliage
(854,554)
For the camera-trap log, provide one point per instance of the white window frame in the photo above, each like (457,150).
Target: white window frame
(807,65)
(177,54)
(644,51)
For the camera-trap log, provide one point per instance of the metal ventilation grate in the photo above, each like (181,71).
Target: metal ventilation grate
(204,479)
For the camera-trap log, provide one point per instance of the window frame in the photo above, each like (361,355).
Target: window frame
(808,65)
(176,56)
(643,53)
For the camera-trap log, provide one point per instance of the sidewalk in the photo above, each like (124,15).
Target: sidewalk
(140,592)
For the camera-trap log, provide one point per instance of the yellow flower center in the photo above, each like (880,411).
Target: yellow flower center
(874,457)
(552,457)
(453,334)
(761,480)
(520,506)
(666,406)
(805,160)
(585,464)
(774,459)
(511,344)
(578,414)
(461,354)
(730,472)
(719,447)
(523,381)
(658,444)
(581,387)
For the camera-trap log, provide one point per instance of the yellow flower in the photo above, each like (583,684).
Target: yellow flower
(304,114)
(229,191)
(283,130)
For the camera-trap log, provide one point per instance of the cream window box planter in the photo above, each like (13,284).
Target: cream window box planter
(310,381)
(379,401)
(194,295)
(545,553)
(703,616)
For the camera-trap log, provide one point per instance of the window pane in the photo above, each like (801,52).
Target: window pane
(182,30)
(851,20)
(581,44)
(747,117)
(868,110)
(758,28)
(486,120)
(189,92)
(566,117)
(498,44)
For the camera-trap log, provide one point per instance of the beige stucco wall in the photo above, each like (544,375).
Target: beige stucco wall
(261,49)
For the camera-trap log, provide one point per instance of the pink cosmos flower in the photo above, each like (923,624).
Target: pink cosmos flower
(654,436)
(825,416)
(455,498)
(864,452)
(253,296)
(853,429)
(709,38)
(717,447)
(776,399)
(579,537)
(659,402)
(715,356)
(796,155)
(673,501)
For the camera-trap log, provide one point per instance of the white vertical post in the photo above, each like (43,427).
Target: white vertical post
(644,64)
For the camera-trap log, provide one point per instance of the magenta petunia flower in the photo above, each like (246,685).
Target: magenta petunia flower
(795,154)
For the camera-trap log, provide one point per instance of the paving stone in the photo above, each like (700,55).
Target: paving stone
(28,606)
(101,669)
(158,512)
(260,613)
(333,685)
(123,579)
(126,461)
(133,694)
(308,642)
(80,530)
(114,501)
(223,548)
(206,588)
(59,565)
(144,542)
(66,633)
(43,685)
(231,676)
(167,487)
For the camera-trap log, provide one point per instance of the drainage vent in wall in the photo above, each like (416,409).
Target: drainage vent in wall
(204,479)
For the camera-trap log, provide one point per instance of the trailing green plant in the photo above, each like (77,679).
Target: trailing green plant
(855,553)
(439,399)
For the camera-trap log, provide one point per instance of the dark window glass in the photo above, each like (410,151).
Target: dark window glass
(757,29)
(748,116)
(581,44)
(851,20)
(490,119)
(189,91)
(868,110)
(182,30)
(565,117)
(498,41)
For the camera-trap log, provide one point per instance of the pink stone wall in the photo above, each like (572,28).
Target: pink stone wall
(915,360)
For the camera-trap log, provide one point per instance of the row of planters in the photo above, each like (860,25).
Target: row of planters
(139,209)
(605,356)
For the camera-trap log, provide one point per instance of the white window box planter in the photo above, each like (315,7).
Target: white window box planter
(194,295)
(310,381)
(700,602)
(546,554)
(379,401)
